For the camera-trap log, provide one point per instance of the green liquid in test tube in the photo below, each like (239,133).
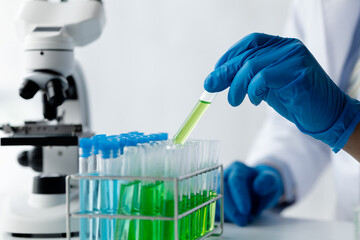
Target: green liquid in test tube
(204,102)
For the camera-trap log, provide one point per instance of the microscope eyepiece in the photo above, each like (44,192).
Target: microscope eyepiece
(55,92)
(28,89)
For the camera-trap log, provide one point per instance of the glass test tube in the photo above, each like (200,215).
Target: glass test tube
(105,188)
(151,191)
(86,156)
(96,185)
(194,117)
(129,191)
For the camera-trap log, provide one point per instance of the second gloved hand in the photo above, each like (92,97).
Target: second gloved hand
(249,191)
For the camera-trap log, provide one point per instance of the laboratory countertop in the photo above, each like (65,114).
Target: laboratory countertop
(278,228)
(274,227)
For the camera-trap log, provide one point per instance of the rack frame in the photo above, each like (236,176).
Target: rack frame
(217,231)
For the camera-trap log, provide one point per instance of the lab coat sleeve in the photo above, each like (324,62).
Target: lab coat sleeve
(294,27)
(299,157)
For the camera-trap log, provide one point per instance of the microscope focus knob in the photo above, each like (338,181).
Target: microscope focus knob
(31,159)
(55,92)
(23,159)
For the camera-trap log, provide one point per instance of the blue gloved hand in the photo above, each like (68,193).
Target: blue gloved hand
(248,191)
(282,72)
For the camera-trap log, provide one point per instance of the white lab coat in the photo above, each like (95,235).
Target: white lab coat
(327,28)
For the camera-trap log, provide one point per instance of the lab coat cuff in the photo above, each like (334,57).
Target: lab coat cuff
(289,195)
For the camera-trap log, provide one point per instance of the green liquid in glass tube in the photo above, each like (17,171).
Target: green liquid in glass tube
(204,102)
(191,122)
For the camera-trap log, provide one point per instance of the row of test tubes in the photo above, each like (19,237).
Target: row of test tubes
(137,155)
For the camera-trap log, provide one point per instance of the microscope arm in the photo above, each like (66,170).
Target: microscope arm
(76,108)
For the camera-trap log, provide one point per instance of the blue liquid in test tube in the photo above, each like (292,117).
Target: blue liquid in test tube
(86,157)
(105,192)
(95,187)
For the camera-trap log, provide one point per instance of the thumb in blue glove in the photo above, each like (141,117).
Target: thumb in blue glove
(282,72)
(249,191)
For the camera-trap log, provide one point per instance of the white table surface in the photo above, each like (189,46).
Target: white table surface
(274,227)
(277,228)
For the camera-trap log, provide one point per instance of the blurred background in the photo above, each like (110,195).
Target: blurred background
(146,73)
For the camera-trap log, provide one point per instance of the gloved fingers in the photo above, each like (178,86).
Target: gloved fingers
(239,85)
(257,89)
(229,206)
(248,42)
(272,79)
(231,212)
(221,78)
(269,78)
(268,188)
(265,183)
(238,72)
(286,68)
(235,166)
(254,65)
(238,183)
(266,202)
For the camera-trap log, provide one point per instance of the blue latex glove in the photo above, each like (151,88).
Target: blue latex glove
(282,72)
(248,191)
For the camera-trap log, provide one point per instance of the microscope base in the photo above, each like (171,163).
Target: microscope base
(37,216)
(8,237)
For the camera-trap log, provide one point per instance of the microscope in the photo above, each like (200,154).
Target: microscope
(50,31)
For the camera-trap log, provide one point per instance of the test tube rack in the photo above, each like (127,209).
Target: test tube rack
(218,228)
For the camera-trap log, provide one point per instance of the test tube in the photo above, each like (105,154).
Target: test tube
(129,192)
(95,185)
(167,227)
(105,191)
(182,158)
(194,117)
(202,185)
(151,191)
(122,226)
(115,165)
(214,176)
(197,200)
(185,199)
(86,150)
